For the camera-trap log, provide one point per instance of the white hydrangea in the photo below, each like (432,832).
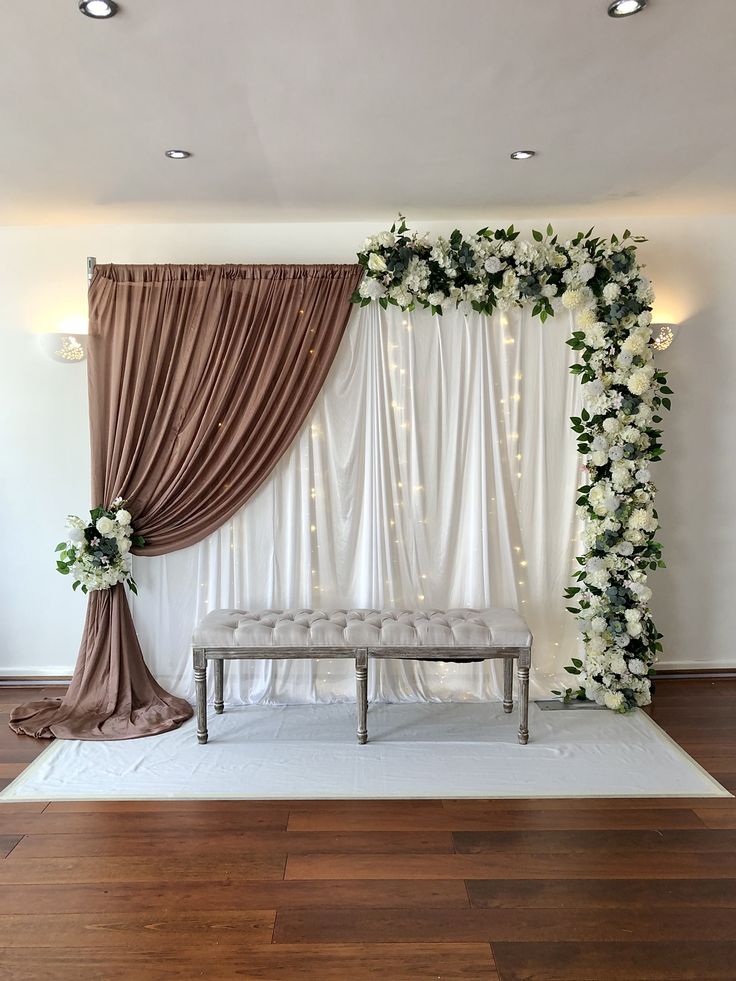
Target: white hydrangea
(371,289)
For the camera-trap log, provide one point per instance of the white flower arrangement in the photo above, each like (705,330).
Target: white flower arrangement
(623,395)
(97,553)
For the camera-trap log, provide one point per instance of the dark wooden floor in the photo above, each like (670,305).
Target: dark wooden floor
(549,890)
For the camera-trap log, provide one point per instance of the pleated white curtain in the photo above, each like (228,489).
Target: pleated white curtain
(437,470)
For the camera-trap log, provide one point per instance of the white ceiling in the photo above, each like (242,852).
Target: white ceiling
(347,109)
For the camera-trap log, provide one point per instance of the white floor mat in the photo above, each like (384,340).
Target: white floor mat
(416,750)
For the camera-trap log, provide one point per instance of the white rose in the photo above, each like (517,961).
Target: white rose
(376,263)
(616,453)
(611,425)
(493,265)
(599,458)
(105,526)
(386,239)
(586,271)
(598,625)
(75,535)
(611,292)
(124,517)
(634,628)
(637,666)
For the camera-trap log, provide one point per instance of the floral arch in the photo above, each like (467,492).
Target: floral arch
(617,431)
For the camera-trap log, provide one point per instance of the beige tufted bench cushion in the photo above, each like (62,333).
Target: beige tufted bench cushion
(437,635)
(363,628)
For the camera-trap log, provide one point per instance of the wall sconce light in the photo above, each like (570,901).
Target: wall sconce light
(663,335)
(66,348)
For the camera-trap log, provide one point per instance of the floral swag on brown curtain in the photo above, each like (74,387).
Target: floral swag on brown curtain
(199,379)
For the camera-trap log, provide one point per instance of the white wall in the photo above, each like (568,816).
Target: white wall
(44,467)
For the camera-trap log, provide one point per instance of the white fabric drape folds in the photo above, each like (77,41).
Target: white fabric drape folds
(437,469)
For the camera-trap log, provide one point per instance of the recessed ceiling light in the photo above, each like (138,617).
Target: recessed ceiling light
(99,9)
(178,154)
(625,8)
(523,154)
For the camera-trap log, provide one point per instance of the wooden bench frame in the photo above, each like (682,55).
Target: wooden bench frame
(361,655)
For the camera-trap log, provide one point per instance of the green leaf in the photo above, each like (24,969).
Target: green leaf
(75,585)
(537,235)
(550,230)
(60,547)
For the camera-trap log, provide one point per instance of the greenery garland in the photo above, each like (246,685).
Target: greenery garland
(617,431)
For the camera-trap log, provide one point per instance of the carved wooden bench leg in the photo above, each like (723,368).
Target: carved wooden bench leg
(361,691)
(219,685)
(508,684)
(200,684)
(523,672)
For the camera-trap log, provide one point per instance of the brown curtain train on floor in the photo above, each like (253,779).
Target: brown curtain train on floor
(199,379)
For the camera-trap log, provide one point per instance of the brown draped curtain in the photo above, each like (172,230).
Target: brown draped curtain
(199,379)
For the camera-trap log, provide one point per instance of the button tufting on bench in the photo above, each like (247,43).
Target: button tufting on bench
(363,628)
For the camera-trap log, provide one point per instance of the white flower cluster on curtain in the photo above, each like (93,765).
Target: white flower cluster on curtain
(617,430)
(436,470)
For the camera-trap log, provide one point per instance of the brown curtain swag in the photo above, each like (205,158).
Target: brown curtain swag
(200,377)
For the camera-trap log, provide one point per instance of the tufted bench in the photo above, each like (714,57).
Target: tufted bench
(422,635)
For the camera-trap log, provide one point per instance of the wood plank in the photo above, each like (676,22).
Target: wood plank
(709,865)
(137,931)
(22,807)
(11,769)
(162,894)
(611,843)
(328,925)
(257,865)
(412,807)
(232,845)
(394,806)
(307,818)
(8,843)
(263,815)
(283,962)
(718,817)
(602,893)
(483,806)
(665,961)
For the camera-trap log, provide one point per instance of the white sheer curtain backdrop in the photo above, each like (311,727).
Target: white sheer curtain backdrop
(437,470)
